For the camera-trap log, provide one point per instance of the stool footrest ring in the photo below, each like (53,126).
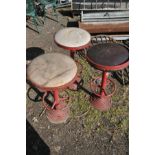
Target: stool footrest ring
(52,104)
(96,88)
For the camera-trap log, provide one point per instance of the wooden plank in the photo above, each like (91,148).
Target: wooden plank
(96,27)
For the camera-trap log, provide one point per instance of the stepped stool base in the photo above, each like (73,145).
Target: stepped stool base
(102,99)
(58,115)
(103,103)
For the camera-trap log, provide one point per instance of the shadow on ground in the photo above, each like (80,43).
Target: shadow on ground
(33,52)
(37,94)
(72,24)
(66,13)
(34,144)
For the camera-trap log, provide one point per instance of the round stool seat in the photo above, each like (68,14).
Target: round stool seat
(69,38)
(52,70)
(110,56)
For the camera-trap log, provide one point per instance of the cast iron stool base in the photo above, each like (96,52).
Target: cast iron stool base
(59,111)
(102,101)
(58,115)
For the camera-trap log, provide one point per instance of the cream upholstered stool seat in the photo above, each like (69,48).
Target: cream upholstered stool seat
(50,72)
(72,38)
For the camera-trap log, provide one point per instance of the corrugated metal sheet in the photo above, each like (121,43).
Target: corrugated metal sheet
(100,4)
(104,16)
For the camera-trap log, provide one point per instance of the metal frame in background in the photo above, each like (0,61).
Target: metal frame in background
(103,16)
(100,4)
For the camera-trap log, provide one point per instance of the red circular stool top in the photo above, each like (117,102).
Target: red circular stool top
(52,71)
(72,38)
(108,56)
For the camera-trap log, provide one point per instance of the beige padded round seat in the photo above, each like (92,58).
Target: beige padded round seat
(52,70)
(72,37)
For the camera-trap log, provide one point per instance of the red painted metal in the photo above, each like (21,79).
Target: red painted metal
(57,100)
(101,103)
(74,86)
(108,68)
(72,54)
(58,112)
(96,87)
(56,97)
(58,115)
(103,84)
(74,49)
(54,88)
(101,100)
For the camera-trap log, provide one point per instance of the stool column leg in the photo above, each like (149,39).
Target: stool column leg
(103,84)
(56,97)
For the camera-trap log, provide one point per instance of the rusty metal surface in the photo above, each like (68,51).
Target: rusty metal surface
(96,27)
(58,115)
(103,103)
(96,87)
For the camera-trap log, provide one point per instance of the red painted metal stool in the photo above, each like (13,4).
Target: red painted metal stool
(106,57)
(51,73)
(73,39)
